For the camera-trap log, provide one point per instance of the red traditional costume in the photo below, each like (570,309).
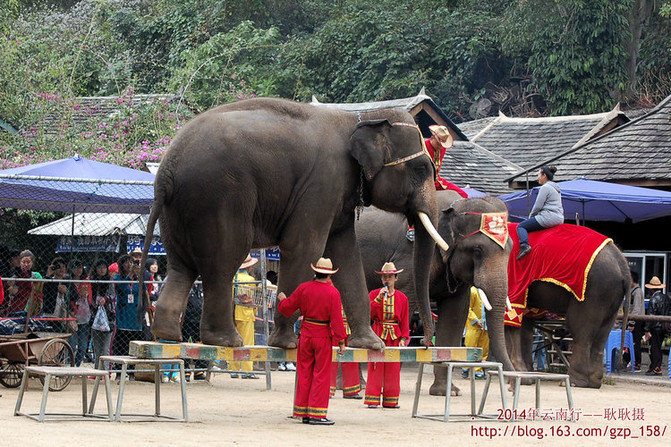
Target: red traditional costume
(437,159)
(351,386)
(391,323)
(319,302)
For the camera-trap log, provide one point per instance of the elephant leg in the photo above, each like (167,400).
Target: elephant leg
(452,313)
(169,309)
(526,348)
(299,246)
(343,250)
(589,341)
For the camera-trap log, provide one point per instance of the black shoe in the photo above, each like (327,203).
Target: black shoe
(352,396)
(524,250)
(395,406)
(306,420)
(320,421)
(199,376)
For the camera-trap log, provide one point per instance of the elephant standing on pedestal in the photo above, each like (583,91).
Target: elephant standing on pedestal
(266,172)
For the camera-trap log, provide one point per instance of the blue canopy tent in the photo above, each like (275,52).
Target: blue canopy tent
(76,184)
(474,193)
(592,200)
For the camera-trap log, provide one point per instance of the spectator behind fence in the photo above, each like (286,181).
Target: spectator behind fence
(243,296)
(58,299)
(129,306)
(25,291)
(104,294)
(151,274)
(81,291)
(10,266)
(191,328)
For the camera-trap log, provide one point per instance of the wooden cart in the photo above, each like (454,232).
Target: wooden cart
(34,348)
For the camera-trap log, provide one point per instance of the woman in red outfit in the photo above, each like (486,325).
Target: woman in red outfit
(319,302)
(389,312)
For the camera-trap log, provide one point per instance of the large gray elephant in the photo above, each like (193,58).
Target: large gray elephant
(473,259)
(266,172)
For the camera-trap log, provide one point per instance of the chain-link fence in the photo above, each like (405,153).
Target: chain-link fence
(71,246)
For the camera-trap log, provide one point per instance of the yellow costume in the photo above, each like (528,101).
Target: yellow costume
(243,296)
(477,337)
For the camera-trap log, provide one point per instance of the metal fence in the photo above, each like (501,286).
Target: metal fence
(54,231)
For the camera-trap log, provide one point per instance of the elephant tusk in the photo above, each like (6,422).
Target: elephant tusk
(485,300)
(509,306)
(432,231)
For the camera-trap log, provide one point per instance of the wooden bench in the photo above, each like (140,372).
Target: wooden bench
(48,372)
(124,361)
(537,377)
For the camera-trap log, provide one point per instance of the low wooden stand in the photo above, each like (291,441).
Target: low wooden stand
(50,371)
(124,361)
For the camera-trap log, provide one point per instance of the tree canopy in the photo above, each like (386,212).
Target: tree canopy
(475,58)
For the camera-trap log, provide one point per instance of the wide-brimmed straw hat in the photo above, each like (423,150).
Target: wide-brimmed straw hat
(324,265)
(442,135)
(655,283)
(136,252)
(248,262)
(389,268)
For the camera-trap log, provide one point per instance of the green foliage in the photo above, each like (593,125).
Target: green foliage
(229,66)
(575,51)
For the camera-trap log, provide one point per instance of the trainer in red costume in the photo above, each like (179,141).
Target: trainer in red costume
(440,140)
(389,312)
(319,302)
(351,385)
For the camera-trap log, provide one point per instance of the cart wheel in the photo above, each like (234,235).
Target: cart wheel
(57,352)
(11,374)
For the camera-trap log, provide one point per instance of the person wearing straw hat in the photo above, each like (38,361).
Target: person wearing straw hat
(245,314)
(390,314)
(435,147)
(319,302)
(659,305)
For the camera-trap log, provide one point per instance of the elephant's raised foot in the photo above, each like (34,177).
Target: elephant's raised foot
(162,328)
(283,338)
(229,339)
(366,340)
(438,389)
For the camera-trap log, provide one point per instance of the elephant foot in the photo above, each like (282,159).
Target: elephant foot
(283,337)
(366,340)
(166,329)
(228,338)
(438,389)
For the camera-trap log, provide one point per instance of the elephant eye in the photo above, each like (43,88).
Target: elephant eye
(477,251)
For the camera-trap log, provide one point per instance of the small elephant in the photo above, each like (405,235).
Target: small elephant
(473,259)
(589,320)
(266,172)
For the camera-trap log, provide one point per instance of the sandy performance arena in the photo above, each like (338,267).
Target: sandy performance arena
(243,413)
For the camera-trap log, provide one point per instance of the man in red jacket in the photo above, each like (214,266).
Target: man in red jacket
(391,322)
(319,302)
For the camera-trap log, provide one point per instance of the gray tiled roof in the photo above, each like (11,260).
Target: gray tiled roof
(468,164)
(474,127)
(413,104)
(636,153)
(527,141)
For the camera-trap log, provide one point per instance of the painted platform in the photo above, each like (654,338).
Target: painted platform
(155,350)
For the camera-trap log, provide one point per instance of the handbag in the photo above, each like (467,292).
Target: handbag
(100,322)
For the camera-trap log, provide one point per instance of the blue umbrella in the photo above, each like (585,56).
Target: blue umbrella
(598,201)
(77,185)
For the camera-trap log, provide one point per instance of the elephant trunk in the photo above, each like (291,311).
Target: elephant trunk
(424,247)
(495,286)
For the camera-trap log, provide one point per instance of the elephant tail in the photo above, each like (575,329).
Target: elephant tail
(149,236)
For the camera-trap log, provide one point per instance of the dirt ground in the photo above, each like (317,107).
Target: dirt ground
(243,413)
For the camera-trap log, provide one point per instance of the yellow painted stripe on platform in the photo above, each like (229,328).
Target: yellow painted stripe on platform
(424,355)
(258,353)
(171,351)
(392,355)
(224,353)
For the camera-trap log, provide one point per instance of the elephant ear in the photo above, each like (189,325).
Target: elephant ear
(368,145)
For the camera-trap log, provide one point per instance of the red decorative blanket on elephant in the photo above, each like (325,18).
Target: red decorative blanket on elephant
(562,255)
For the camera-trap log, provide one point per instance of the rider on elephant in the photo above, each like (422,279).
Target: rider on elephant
(391,322)
(440,141)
